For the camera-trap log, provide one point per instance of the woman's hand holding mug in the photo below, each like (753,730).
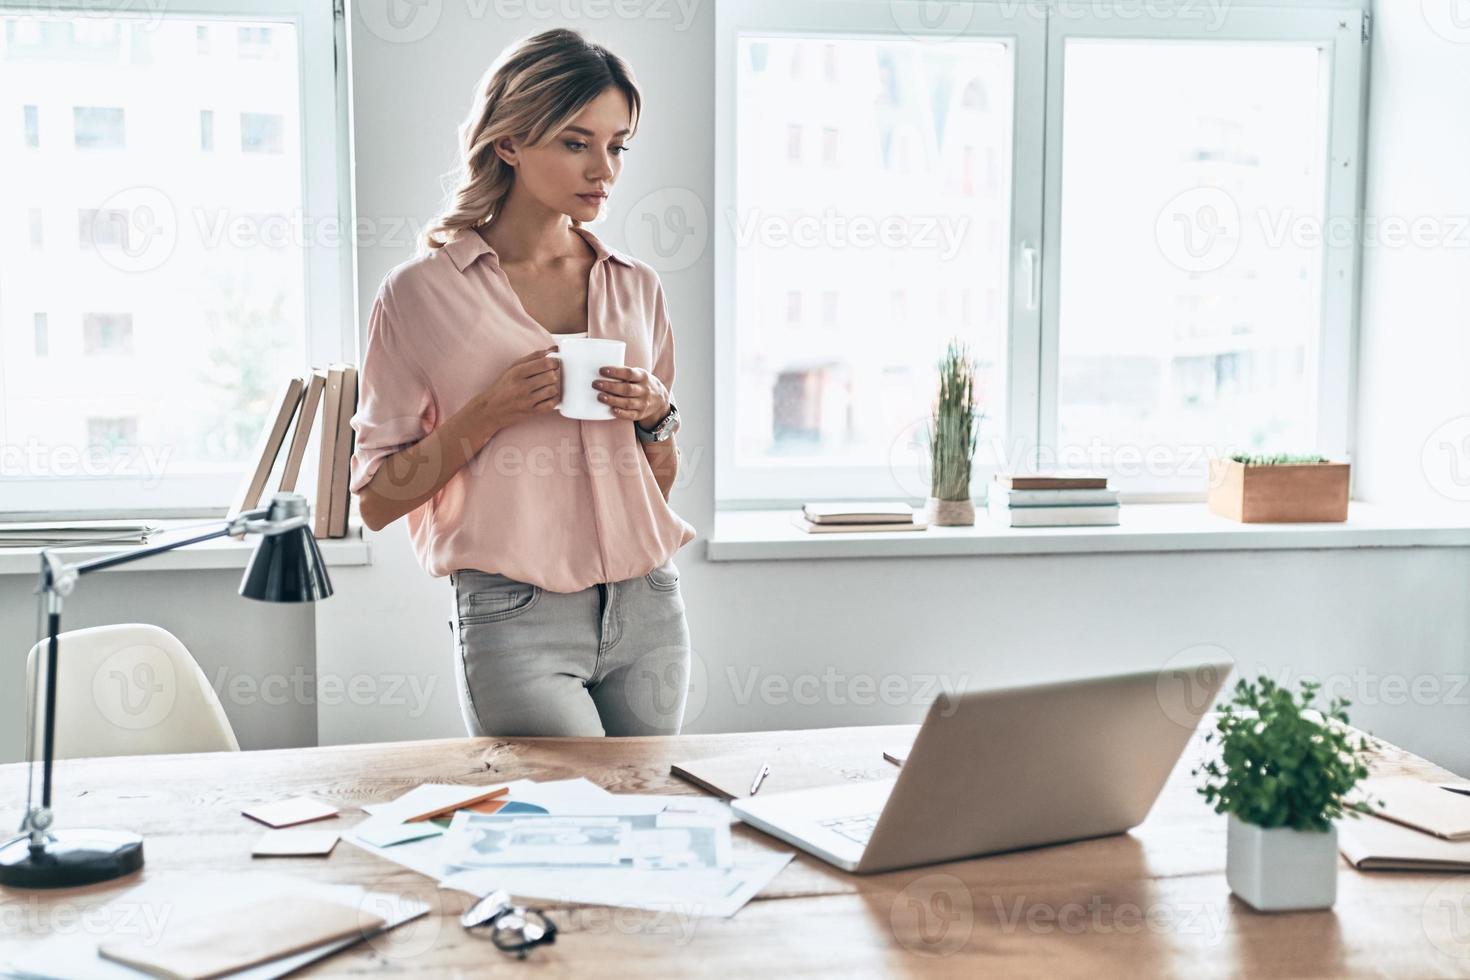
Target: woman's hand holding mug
(633,393)
(583,379)
(530,386)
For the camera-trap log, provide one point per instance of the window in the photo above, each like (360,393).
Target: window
(112,434)
(175,316)
(1145,274)
(262,132)
(1212,297)
(838,404)
(103,229)
(254,42)
(31,119)
(98,128)
(107,333)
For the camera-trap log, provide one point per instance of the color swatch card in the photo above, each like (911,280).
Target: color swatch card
(287,813)
(295,843)
(385,832)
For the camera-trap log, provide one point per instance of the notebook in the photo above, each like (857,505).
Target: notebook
(866,512)
(1371,844)
(69,954)
(1051,481)
(729,777)
(272,437)
(321,514)
(1421,805)
(342,453)
(918,524)
(212,942)
(305,422)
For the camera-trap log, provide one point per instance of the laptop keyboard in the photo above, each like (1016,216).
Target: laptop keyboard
(855,828)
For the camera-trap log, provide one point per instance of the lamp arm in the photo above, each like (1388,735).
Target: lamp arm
(58,579)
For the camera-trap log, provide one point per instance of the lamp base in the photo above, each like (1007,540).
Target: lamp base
(71,857)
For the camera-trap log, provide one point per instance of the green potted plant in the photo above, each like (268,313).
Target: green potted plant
(1278,488)
(954,428)
(1284,772)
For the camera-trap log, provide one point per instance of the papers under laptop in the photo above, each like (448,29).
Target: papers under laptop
(1005,769)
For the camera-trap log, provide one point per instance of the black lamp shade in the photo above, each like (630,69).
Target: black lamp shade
(286,567)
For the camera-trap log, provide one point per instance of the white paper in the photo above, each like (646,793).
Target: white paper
(707,806)
(718,892)
(722,892)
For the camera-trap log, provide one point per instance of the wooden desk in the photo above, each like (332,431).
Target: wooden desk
(1150,903)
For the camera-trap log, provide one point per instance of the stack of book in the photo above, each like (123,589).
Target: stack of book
(333,390)
(826,518)
(1053,500)
(46,534)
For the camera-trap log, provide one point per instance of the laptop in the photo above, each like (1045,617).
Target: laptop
(999,770)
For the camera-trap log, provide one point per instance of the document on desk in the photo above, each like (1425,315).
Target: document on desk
(714,891)
(704,892)
(645,841)
(419,849)
(671,861)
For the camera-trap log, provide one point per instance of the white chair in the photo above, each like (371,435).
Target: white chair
(128,689)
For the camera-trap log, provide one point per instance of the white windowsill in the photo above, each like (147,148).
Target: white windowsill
(767,535)
(216,553)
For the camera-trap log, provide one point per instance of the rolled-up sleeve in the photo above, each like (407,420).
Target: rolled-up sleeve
(395,406)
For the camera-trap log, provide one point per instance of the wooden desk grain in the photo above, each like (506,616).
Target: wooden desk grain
(1150,903)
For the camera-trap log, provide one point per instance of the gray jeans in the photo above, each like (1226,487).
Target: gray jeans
(612,659)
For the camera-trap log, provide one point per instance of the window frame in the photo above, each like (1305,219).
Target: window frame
(328,274)
(1037,33)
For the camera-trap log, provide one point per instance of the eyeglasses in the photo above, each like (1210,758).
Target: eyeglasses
(514,929)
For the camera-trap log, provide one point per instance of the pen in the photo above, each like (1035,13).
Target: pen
(760,777)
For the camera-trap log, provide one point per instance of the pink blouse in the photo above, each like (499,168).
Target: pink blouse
(560,503)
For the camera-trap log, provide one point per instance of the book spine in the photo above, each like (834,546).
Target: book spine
(1058,498)
(342,459)
(321,518)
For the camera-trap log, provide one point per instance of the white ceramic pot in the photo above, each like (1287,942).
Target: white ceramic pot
(1281,869)
(950,513)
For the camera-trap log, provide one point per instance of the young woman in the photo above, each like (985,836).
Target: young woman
(556,534)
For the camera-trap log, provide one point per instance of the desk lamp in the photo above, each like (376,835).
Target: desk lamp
(286,567)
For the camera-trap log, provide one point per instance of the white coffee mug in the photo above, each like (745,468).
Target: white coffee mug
(582,360)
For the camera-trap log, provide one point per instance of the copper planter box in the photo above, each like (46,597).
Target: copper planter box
(1292,494)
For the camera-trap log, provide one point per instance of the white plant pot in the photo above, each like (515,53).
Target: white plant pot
(1281,869)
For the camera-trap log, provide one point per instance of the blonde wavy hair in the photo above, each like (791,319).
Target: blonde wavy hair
(535,88)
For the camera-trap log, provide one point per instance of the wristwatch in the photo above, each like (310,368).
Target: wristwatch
(661,432)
